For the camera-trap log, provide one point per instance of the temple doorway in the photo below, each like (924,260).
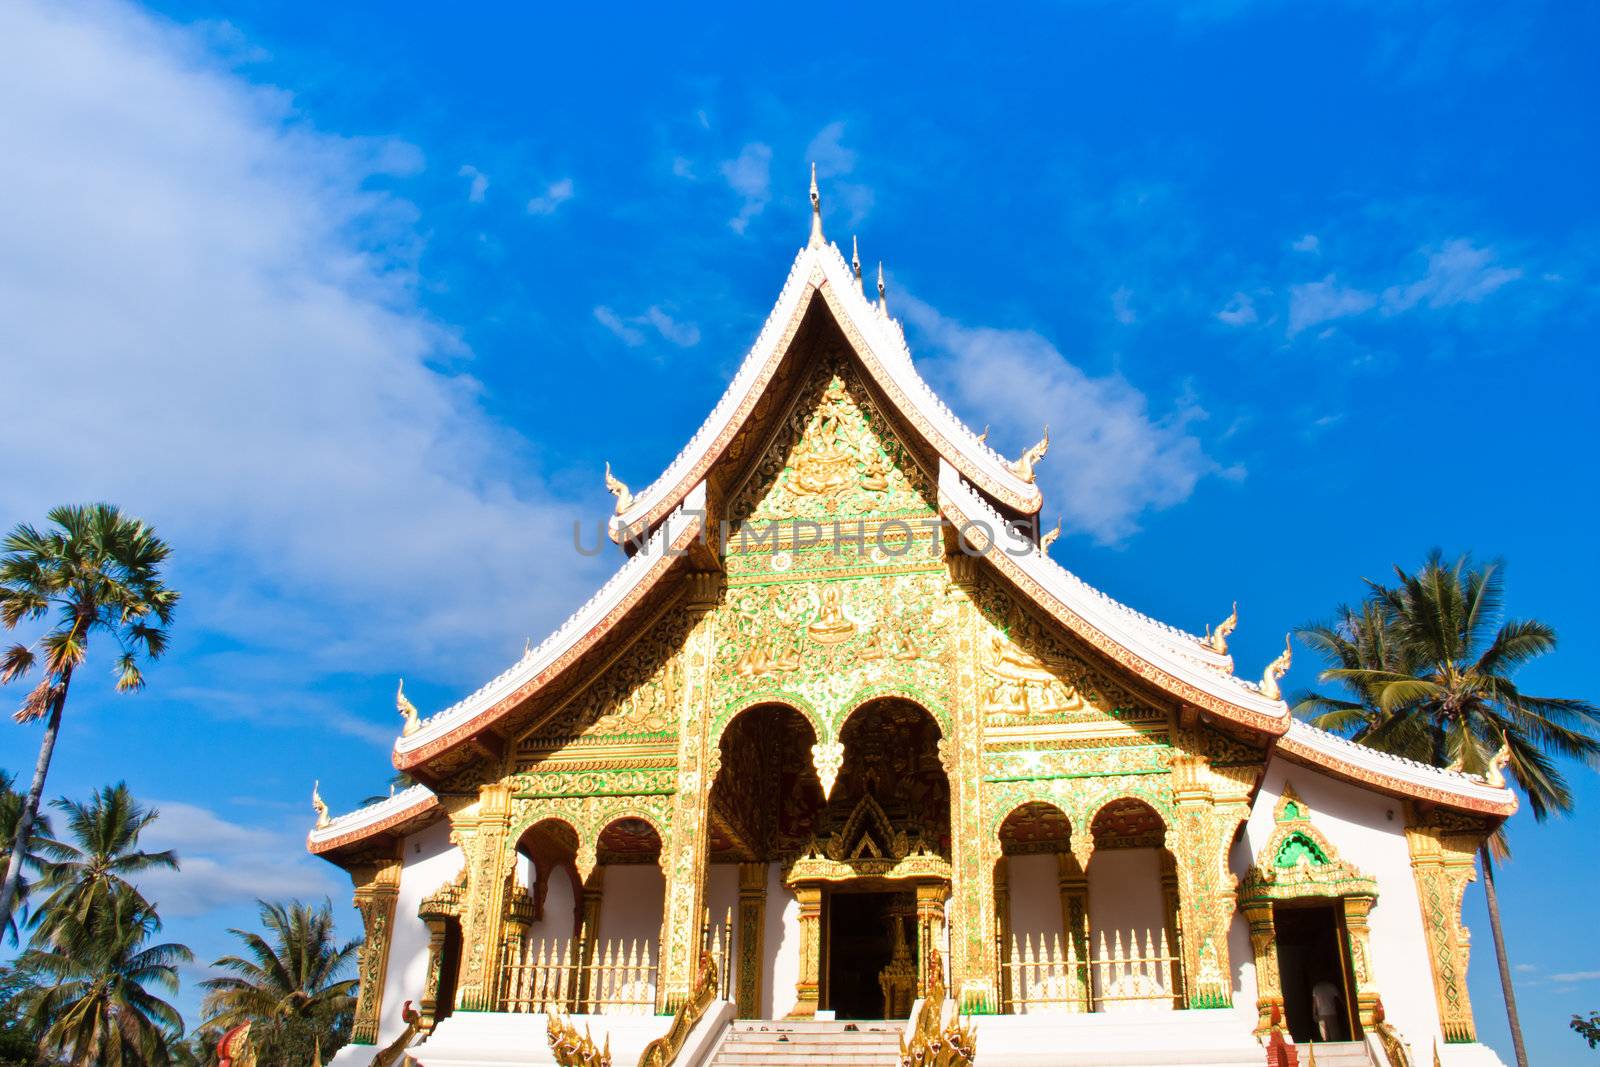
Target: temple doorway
(1314,971)
(861,950)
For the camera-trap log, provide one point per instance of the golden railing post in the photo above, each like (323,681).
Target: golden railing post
(752,923)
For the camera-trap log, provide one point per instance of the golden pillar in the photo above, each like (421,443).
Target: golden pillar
(1264,944)
(1172,918)
(752,923)
(1444,847)
(1359,942)
(684,847)
(437,911)
(377,885)
(1002,931)
(808,988)
(1205,884)
(489,862)
(930,928)
(588,937)
(1072,884)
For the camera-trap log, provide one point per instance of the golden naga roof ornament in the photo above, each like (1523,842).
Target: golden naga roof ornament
(319,805)
(1275,670)
(1495,773)
(984,436)
(618,489)
(407,710)
(1049,538)
(1023,467)
(855,258)
(816,210)
(1217,640)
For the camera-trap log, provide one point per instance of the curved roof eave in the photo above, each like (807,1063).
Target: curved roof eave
(373,819)
(570,640)
(880,343)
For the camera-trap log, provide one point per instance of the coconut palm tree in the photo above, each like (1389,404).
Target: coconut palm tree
(1426,665)
(82,878)
(94,571)
(289,983)
(91,1003)
(10,812)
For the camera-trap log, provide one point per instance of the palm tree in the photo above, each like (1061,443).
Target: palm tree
(96,570)
(10,812)
(81,879)
(1427,667)
(288,983)
(91,1003)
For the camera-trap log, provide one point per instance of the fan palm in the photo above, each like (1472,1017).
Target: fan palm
(10,812)
(95,570)
(1427,666)
(92,1003)
(289,982)
(82,878)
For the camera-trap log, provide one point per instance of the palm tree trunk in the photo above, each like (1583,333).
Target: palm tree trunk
(1493,899)
(30,809)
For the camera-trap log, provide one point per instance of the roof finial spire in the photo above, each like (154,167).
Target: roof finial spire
(855,258)
(816,210)
(883,303)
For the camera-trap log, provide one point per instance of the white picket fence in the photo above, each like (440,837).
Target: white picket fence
(1043,976)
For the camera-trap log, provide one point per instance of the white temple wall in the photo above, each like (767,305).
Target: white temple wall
(1368,830)
(1034,885)
(722,893)
(560,917)
(631,906)
(780,947)
(1125,895)
(428,861)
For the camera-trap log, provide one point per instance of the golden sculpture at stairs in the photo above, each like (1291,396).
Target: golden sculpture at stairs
(932,1043)
(663,1051)
(572,1049)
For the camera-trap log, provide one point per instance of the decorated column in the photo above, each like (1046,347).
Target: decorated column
(588,936)
(1444,847)
(930,928)
(1264,945)
(437,911)
(808,988)
(684,846)
(1357,906)
(1073,886)
(1205,885)
(752,922)
(483,832)
(377,885)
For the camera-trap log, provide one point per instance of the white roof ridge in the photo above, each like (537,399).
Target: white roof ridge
(1133,630)
(576,625)
(1327,738)
(368,814)
(883,335)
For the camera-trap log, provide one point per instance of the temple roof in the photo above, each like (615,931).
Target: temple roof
(405,811)
(820,270)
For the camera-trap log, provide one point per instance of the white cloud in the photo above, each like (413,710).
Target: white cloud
(1317,302)
(1307,243)
(750,176)
(479,185)
(222,863)
(1110,459)
(1122,306)
(828,152)
(683,167)
(249,369)
(1458,273)
(1238,311)
(629,330)
(1576,976)
(555,194)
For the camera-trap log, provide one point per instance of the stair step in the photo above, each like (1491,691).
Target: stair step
(810,1043)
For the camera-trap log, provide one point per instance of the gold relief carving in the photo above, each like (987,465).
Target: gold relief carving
(637,694)
(827,757)
(752,924)
(597,780)
(1444,847)
(489,866)
(834,457)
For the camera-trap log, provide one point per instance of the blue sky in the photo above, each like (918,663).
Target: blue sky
(353,301)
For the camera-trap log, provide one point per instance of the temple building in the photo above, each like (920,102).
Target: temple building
(840,735)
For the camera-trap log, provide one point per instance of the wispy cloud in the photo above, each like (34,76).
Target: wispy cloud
(749,175)
(554,195)
(1122,306)
(1111,460)
(834,162)
(631,330)
(1458,273)
(1313,303)
(1307,243)
(1240,310)
(222,863)
(478,183)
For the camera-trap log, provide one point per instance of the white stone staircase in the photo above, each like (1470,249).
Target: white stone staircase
(814,1043)
(1335,1054)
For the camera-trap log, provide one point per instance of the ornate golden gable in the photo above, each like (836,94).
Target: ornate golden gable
(1298,861)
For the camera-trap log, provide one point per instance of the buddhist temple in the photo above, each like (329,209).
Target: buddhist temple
(840,757)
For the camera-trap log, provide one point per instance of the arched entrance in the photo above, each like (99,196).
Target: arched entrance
(1133,910)
(873,879)
(1307,911)
(1041,902)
